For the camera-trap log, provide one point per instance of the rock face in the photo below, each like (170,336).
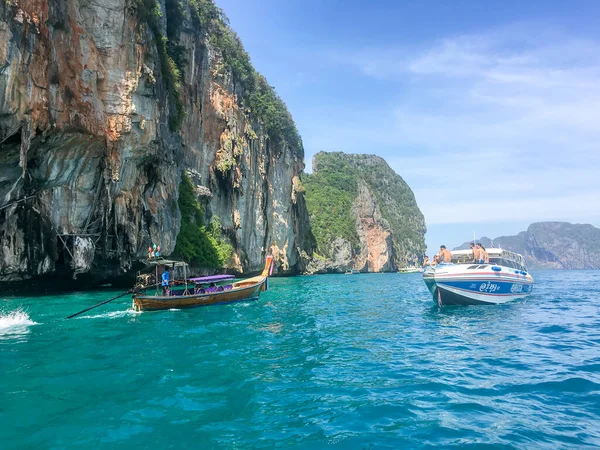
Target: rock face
(364,215)
(90,166)
(553,245)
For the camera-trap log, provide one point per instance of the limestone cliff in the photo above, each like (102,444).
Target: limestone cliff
(364,216)
(553,245)
(103,104)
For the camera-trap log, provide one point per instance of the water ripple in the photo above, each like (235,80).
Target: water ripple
(349,362)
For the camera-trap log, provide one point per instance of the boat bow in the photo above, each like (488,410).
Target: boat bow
(502,280)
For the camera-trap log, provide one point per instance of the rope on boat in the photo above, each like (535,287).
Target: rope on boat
(130,291)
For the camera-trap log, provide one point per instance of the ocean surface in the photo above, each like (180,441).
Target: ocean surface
(334,361)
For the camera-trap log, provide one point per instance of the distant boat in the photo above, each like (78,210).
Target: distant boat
(410,269)
(200,291)
(352,272)
(463,282)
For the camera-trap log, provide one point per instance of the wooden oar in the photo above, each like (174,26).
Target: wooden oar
(130,291)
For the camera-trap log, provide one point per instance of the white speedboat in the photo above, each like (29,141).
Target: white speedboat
(463,282)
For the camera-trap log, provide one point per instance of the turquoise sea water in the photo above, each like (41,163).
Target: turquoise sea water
(362,361)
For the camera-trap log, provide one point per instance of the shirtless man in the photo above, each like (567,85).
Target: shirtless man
(445,255)
(476,252)
(483,254)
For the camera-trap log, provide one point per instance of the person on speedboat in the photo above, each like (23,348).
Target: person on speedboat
(484,258)
(476,252)
(445,255)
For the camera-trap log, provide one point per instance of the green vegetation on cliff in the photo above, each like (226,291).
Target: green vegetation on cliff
(170,54)
(199,245)
(258,96)
(397,204)
(333,188)
(330,192)
(260,99)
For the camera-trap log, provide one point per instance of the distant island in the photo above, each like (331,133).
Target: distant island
(552,245)
(363,215)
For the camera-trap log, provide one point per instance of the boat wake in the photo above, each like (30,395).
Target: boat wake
(15,322)
(112,315)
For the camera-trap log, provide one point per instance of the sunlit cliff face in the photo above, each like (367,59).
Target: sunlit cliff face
(86,139)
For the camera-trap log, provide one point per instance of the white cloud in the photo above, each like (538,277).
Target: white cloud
(497,126)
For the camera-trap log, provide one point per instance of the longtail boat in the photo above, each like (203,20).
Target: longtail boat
(204,291)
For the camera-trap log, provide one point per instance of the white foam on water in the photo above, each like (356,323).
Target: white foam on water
(15,322)
(113,314)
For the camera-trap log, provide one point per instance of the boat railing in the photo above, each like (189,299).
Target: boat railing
(496,256)
(519,259)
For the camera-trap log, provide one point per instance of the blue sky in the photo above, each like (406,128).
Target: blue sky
(488,109)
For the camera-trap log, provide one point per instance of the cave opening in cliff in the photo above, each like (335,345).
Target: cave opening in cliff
(62,260)
(12,140)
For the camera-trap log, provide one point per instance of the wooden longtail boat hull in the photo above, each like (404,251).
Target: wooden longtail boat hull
(249,289)
(151,302)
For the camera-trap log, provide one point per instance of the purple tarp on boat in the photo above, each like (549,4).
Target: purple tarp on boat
(212,278)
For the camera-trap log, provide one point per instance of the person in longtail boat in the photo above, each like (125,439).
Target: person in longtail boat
(426,261)
(165,281)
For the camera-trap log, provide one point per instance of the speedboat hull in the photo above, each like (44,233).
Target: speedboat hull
(476,284)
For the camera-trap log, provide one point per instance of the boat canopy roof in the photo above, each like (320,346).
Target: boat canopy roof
(211,279)
(164,262)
